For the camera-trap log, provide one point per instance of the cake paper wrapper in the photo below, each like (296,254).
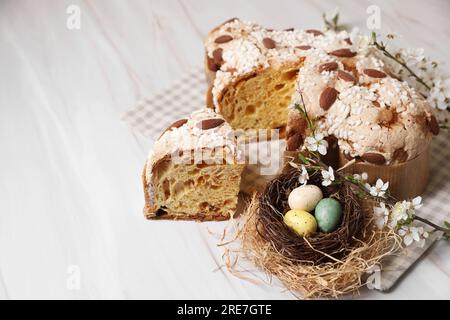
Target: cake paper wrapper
(406,180)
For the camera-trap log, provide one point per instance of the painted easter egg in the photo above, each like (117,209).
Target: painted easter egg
(328,214)
(302,222)
(305,197)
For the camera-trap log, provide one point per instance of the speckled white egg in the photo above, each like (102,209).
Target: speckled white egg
(305,197)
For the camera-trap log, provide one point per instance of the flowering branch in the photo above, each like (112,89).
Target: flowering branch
(437,93)
(422,73)
(432,87)
(315,163)
(382,47)
(445,230)
(400,214)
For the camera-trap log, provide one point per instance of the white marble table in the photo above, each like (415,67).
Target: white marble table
(70,192)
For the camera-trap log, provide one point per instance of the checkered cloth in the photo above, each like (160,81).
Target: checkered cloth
(153,114)
(436,197)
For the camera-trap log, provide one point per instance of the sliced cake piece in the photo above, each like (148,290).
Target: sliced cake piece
(194,170)
(252,72)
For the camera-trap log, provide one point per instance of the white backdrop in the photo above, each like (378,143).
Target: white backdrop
(70,190)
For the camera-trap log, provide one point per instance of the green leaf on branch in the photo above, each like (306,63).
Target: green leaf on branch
(374,37)
(333,23)
(361,195)
(303,159)
(301,108)
(351,179)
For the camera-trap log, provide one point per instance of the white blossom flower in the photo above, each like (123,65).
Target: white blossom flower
(409,207)
(411,234)
(440,93)
(412,56)
(423,236)
(437,99)
(381,214)
(361,177)
(303,178)
(328,176)
(416,203)
(360,41)
(427,71)
(444,85)
(415,59)
(399,213)
(317,143)
(379,189)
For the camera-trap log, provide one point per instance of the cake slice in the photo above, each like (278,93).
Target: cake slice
(252,73)
(194,170)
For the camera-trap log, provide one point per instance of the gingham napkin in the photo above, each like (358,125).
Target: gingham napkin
(154,113)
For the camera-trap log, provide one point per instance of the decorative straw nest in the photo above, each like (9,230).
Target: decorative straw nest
(320,246)
(323,264)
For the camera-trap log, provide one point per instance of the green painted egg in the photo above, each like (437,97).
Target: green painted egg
(328,214)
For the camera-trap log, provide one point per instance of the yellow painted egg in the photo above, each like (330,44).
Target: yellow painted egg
(305,197)
(302,222)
